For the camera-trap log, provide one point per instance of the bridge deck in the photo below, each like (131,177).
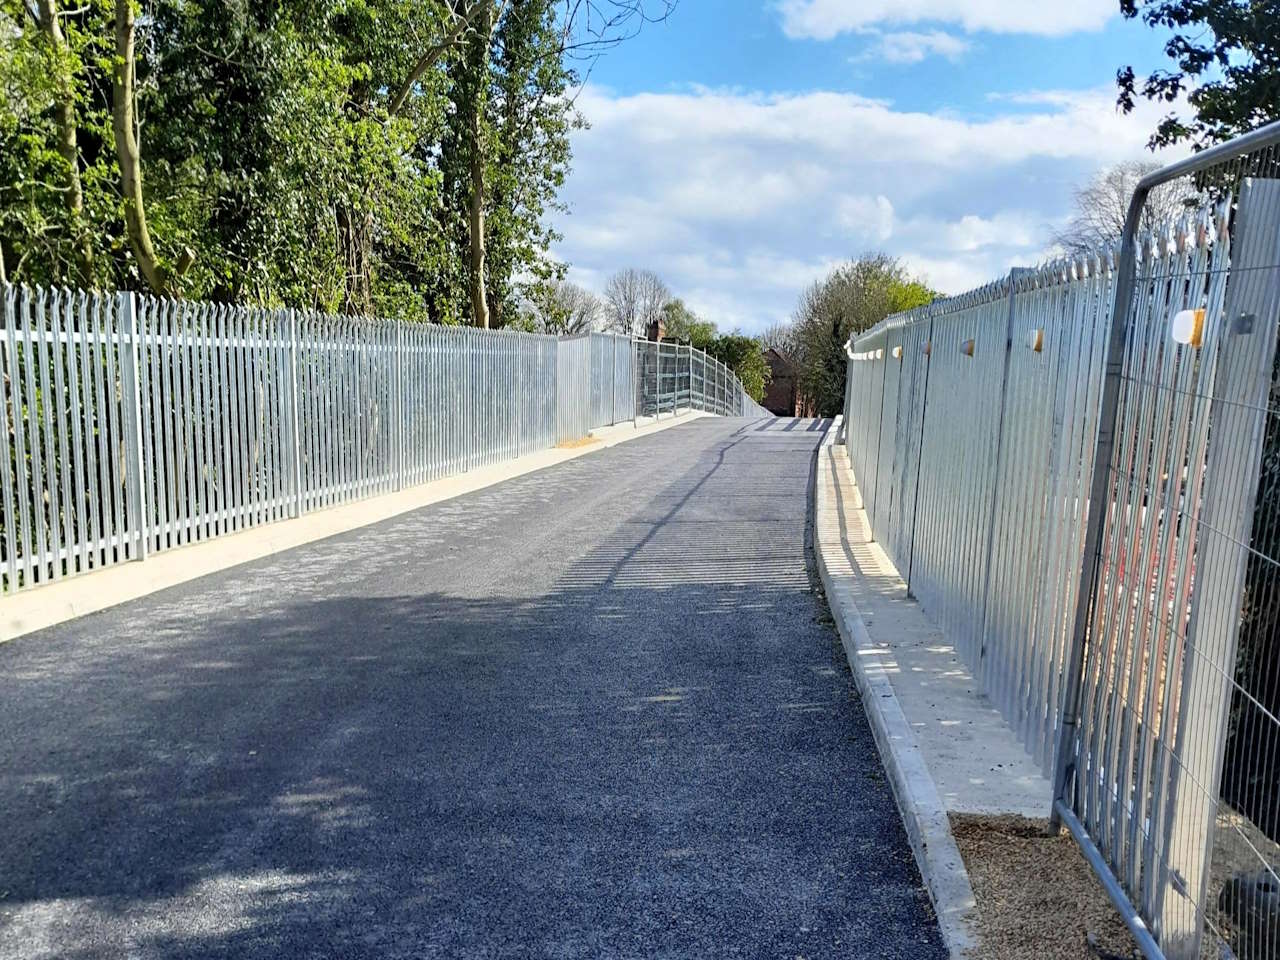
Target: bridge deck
(593,711)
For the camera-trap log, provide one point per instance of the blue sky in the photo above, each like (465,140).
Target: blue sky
(745,146)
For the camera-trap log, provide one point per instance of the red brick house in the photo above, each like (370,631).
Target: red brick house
(783,395)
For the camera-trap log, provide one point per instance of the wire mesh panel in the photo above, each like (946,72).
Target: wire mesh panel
(684,378)
(646,377)
(668,383)
(1161,666)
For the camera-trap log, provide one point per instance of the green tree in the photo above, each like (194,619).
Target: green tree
(282,165)
(852,298)
(1226,56)
(507,151)
(684,326)
(54,175)
(263,127)
(531,119)
(385,156)
(745,357)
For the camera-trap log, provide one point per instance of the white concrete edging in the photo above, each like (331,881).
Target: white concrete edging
(62,600)
(923,812)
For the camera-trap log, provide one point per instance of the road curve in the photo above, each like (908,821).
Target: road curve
(596,711)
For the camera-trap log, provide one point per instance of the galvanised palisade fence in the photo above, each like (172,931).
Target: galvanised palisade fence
(1077,470)
(966,426)
(135,425)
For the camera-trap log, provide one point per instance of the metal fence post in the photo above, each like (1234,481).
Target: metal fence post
(131,402)
(924,418)
(1014,274)
(295,415)
(689,352)
(399,407)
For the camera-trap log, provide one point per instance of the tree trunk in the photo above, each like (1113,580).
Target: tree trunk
(479,300)
(124,125)
(476,234)
(462,19)
(68,149)
(355,236)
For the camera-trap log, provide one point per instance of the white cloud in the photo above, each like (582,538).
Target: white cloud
(867,217)
(954,274)
(825,19)
(1007,228)
(740,199)
(910,47)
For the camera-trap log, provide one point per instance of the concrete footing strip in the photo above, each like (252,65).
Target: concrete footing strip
(63,600)
(923,813)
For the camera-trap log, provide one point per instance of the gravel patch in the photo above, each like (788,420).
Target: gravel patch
(1037,897)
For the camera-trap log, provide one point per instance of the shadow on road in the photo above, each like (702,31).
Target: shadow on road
(657,755)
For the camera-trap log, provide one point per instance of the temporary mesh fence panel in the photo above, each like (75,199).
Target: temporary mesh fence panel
(646,368)
(1167,769)
(1075,470)
(668,382)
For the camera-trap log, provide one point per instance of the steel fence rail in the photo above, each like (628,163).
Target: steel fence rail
(1077,470)
(135,425)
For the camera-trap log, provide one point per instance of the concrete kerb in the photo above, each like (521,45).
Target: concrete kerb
(923,812)
(64,600)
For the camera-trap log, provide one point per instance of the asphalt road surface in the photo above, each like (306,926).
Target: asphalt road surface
(596,711)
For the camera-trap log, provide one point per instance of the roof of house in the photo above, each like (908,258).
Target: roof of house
(779,362)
